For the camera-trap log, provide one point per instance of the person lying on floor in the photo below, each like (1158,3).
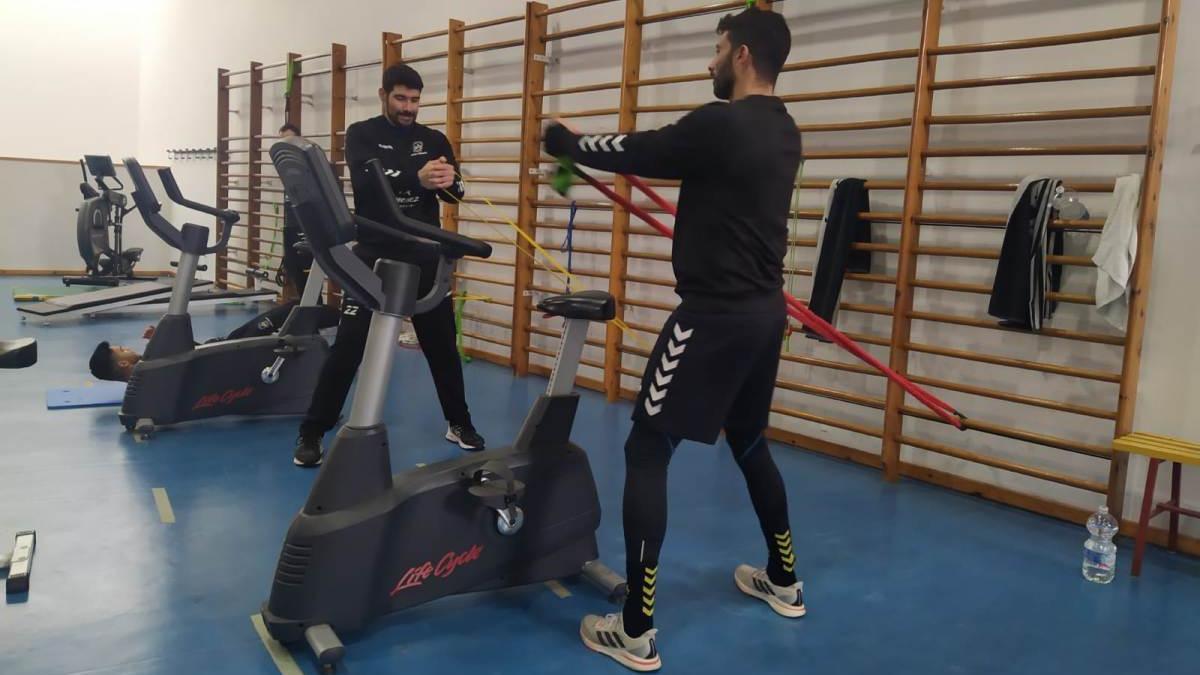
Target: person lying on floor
(115,363)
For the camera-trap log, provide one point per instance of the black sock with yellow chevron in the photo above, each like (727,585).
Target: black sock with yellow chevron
(638,612)
(769,496)
(647,455)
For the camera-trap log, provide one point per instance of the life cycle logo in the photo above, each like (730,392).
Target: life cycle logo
(228,397)
(447,565)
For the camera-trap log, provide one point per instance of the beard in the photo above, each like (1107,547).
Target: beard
(403,118)
(723,80)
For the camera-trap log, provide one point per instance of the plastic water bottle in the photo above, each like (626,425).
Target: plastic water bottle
(1068,205)
(1099,551)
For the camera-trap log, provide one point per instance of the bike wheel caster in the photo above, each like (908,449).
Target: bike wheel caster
(144,429)
(325,645)
(509,521)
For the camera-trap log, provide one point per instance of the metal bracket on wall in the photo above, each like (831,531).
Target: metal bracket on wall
(191,153)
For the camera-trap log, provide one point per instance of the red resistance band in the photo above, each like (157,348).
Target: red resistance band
(796,309)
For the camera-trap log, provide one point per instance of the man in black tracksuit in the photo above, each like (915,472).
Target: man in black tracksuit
(715,362)
(421,167)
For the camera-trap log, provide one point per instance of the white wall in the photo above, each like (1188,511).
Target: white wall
(70,70)
(70,74)
(40,235)
(1169,389)
(188,41)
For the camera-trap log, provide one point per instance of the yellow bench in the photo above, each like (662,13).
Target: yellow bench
(1159,449)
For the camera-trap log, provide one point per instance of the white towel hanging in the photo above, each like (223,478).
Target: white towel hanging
(1117,251)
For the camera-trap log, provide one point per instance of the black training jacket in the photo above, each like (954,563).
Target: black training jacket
(737,162)
(403,152)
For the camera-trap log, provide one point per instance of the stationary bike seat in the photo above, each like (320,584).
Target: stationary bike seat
(589,305)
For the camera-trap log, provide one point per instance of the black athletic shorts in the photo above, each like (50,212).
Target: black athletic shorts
(712,371)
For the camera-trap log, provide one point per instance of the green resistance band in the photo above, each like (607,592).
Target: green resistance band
(564,176)
(287,89)
(459,302)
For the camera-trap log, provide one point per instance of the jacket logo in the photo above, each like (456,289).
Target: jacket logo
(392,173)
(418,148)
(386,147)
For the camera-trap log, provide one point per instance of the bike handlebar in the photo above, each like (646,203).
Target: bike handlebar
(453,245)
(150,209)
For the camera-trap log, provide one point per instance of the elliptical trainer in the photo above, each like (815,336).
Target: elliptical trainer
(105,262)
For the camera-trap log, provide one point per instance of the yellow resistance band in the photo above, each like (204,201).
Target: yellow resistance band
(562,274)
(538,247)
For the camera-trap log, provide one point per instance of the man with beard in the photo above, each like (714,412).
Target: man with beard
(420,165)
(715,362)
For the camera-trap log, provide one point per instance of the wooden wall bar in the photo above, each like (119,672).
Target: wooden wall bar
(536,25)
(1139,296)
(254,196)
(223,166)
(454,107)
(618,262)
(640,294)
(910,234)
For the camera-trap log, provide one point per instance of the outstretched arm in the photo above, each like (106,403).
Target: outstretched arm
(670,152)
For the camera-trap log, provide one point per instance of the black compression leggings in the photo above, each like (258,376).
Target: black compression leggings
(647,456)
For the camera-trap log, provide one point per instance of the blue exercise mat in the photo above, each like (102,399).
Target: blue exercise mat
(93,395)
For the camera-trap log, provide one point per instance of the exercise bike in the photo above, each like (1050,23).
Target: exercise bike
(106,263)
(179,381)
(368,543)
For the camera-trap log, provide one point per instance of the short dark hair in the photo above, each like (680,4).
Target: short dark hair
(767,35)
(101,363)
(402,75)
(288,126)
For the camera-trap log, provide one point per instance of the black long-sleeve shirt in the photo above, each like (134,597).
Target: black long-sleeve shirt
(738,163)
(403,152)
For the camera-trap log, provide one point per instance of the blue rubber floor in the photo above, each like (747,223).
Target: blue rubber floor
(904,578)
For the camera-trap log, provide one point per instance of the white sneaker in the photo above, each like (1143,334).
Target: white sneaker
(785,600)
(606,635)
